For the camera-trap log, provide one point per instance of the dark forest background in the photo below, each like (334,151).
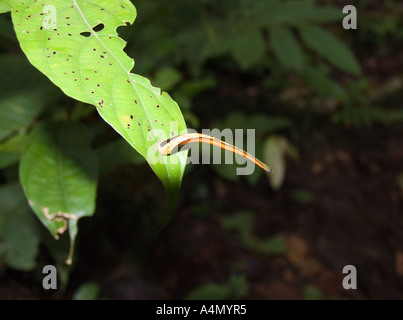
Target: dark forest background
(326,104)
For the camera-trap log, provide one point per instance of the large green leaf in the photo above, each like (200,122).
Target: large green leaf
(331,48)
(58,172)
(19,236)
(75,44)
(286,47)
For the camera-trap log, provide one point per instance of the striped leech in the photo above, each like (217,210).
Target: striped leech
(165,147)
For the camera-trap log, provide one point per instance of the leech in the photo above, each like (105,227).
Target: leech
(166,147)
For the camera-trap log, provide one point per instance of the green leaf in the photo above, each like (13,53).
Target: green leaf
(210,291)
(83,55)
(87,291)
(19,234)
(247,48)
(167,78)
(323,83)
(331,48)
(5,6)
(58,172)
(312,293)
(242,222)
(286,48)
(21,96)
(11,150)
(271,246)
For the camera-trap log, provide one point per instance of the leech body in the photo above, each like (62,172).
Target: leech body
(165,147)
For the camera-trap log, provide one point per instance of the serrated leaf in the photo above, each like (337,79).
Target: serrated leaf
(75,44)
(286,47)
(19,236)
(58,172)
(331,48)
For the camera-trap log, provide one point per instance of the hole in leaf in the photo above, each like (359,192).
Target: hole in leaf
(85,34)
(98,27)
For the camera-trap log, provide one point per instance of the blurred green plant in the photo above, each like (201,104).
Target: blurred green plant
(87,291)
(235,288)
(242,223)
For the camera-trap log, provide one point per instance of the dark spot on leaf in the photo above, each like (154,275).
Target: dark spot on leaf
(29,16)
(68,24)
(40,28)
(122,6)
(95,49)
(158,106)
(69,34)
(54,52)
(135,101)
(98,27)
(73,71)
(48,38)
(87,79)
(67,59)
(75,79)
(155,120)
(95,71)
(98,85)
(67,17)
(131,116)
(139,124)
(127,81)
(128,126)
(85,34)
(102,56)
